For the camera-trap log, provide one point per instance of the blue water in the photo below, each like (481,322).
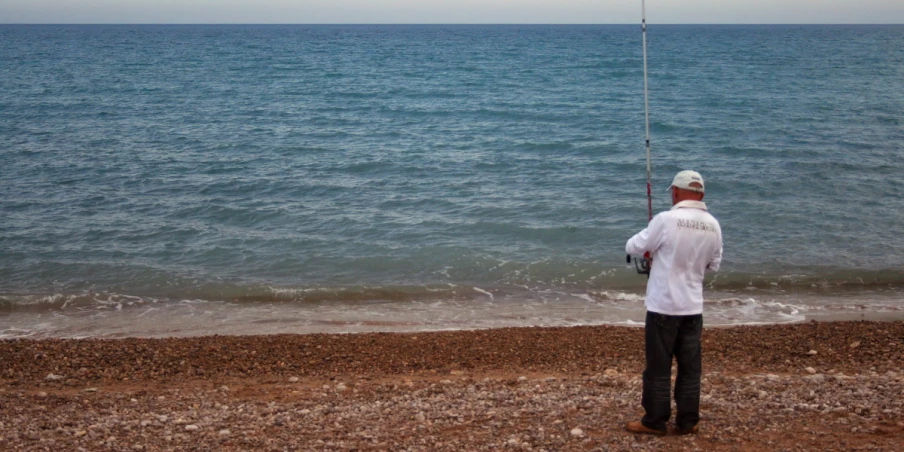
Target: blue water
(289,175)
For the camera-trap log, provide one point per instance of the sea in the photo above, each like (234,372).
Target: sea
(185,180)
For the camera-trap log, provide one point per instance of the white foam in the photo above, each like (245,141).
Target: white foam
(146,312)
(583,296)
(622,296)
(478,289)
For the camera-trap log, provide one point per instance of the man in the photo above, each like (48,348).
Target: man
(683,242)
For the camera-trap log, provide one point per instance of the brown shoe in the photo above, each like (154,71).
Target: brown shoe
(638,427)
(689,431)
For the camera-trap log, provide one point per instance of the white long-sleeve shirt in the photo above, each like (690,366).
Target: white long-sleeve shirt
(684,242)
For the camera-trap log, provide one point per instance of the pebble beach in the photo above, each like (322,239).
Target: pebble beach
(808,386)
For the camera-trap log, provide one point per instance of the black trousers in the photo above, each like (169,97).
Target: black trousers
(668,336)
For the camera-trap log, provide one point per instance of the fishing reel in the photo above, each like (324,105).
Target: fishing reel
(642,264)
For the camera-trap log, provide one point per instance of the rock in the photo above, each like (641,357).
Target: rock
(816,378)
(772,377)
(810,370)
(341,387)
(522,378)
(293,379)
(855,344)
(577,432)
(191,427)
(42,394)
(420,417)
(812,352)
(225,432)
(53,377)
(610,372)
(90,390)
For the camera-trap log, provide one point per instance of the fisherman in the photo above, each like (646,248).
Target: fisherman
(683,243)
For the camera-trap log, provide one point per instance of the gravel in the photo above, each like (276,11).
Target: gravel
(512,389)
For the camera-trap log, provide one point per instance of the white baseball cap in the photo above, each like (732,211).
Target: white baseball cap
(684,179)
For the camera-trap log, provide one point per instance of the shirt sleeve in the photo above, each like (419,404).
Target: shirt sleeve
(716,260)
(650,239)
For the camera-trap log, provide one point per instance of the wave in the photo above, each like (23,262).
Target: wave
(502,282)
(242,295)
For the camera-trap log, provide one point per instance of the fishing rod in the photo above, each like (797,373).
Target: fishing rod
(643,264)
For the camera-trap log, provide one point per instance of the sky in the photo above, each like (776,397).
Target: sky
(453,11)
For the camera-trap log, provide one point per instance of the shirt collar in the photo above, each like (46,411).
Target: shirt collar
(690,204)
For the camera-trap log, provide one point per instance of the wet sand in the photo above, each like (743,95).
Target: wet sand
(826,385)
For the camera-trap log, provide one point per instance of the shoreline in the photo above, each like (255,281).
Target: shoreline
(815,384)
(183,322)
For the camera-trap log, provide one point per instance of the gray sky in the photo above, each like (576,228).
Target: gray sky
(450,11)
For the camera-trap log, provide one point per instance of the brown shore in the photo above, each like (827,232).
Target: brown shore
(813,386)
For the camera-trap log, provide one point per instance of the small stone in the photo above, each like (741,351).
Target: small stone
(816,378)
(191,427)
(772,377)
(53,377)
(855,344)
(80,433)
(225,432)
(522,378)
(812,352)
(90,390)
(341,387)
(577,432)
(610,372)
(762,394)
(42,394)
(293,379)
(810,370)
(445,382)
(133,400)
(420,417)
